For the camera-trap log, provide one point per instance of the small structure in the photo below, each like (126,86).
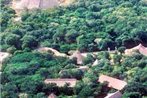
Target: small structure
(95,62)
(23,95)
(83,68)
(97,40)
(17,19)
(143,50)
(83,54)
(61,82)
(140,48)
(52,95)
(117,94)
(3,56)
(112,82)
(131,51)
(78,56)
(91,53)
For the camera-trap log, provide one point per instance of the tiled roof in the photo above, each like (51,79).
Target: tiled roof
(112,82)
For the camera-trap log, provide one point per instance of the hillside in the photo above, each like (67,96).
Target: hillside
(97,32)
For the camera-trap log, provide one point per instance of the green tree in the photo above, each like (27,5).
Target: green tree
(29,41)
(13,39)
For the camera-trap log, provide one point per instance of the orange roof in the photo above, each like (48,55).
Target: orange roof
(112,82)
(77,55)
(52,95)
(61,82)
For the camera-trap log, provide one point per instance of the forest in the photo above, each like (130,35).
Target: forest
(85,25)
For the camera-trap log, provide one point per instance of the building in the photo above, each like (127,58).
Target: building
(112,82)
(117,94)
(95,62)
(140,48)
(78,56)
(131,51)
(17,19)
(52,95)
(61,82)
(143,50)
(3,56)
(23,95)
(82,68)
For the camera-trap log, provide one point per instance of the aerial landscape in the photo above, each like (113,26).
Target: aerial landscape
(73,49)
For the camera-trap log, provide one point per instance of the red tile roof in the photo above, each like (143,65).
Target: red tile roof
(112,82)
(61,82)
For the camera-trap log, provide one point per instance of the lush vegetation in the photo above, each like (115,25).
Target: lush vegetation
(113,23)
(87,25)
(25,73)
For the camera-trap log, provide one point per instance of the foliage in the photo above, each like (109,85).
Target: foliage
(87,25)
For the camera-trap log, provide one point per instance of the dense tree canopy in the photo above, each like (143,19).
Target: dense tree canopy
(115,22)
(86,25)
